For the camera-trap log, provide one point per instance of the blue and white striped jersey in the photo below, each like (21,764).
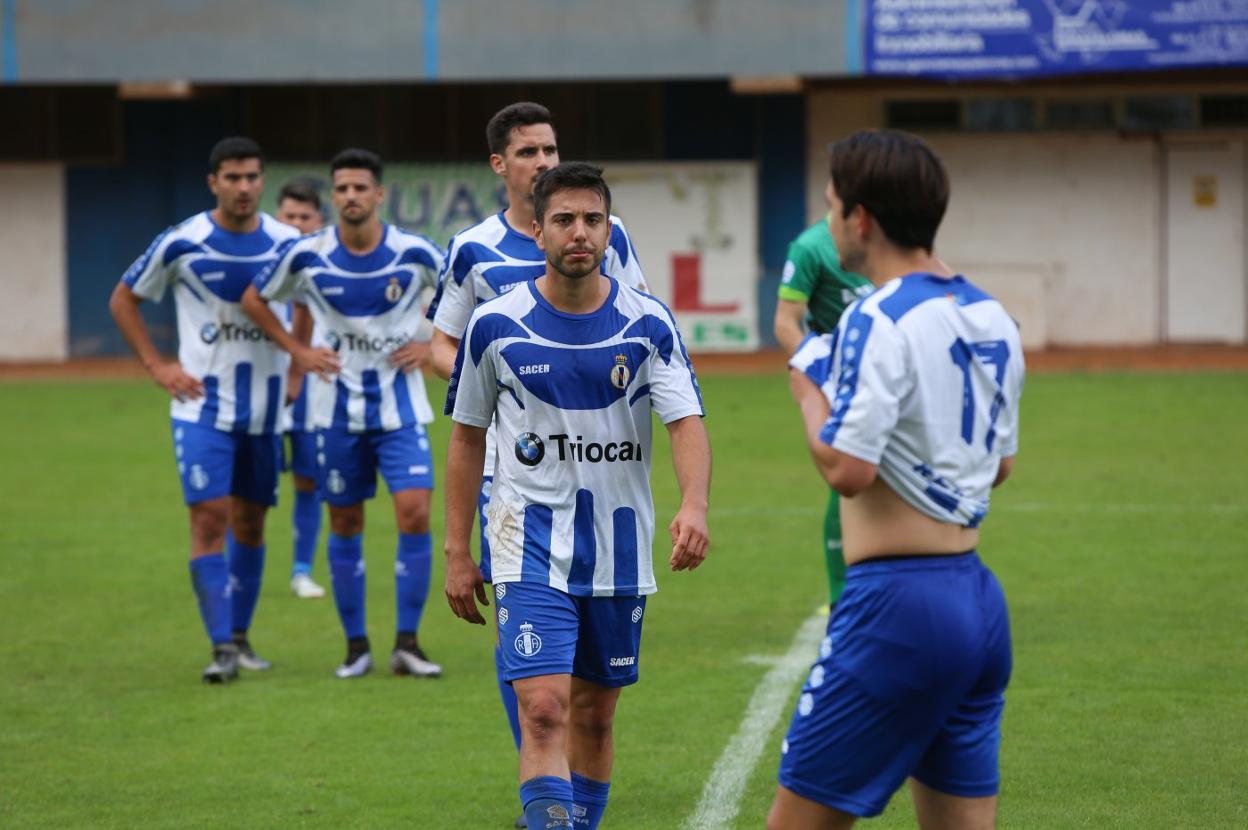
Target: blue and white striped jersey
(491,258)
(924,379)
(209,268)
(571,397)
(365,307)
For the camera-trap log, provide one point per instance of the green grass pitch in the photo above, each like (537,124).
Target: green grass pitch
(1122,542)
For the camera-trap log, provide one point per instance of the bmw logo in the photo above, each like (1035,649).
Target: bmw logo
(529,449)
(209,333)
(334,341)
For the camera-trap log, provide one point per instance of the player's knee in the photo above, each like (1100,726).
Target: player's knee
(593,723)
(208,522)
(248,526)
(346,522)
(544,714)
(413,516)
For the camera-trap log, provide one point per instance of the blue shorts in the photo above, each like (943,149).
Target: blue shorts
(483,498)
(213,463)
(302,459)
(349,462)
(910,682)
(542,630)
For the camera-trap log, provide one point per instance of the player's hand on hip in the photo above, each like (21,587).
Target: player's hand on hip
(174,380)
(411,356)
(690,538)
(463,582)
(324,362)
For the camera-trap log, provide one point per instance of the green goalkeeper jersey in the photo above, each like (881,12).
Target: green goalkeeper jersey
(813,275)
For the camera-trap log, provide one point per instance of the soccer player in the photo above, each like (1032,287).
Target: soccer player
(815,290)
(494,256)
(227,387)
(570,367)
(299,205)
(910,411)
(362,281)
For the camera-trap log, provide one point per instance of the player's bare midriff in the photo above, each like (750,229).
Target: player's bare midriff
(877,522)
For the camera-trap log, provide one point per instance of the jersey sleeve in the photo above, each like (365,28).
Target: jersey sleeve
(455,300)
(151,274)
(623,266)
(797,281)
(674,390)
(813,357)
(868,382)
(280,280)
(472,395)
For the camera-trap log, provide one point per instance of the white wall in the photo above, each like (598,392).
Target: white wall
(1063,228)
(32,262)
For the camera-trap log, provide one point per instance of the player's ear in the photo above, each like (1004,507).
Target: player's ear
(497,164)
(381,193)
(212,183)
(537,235)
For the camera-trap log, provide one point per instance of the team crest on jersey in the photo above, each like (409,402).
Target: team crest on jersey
(528,644)
(620,374)
(198,479)
(394,291)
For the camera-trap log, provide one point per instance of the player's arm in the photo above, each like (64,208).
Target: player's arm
(124,306)
(844,473)
(1004,468)
(691,456)
(443,348)
(471,399)
(301,329)
(415,354)
(465,459)
(787,324)
(320,360)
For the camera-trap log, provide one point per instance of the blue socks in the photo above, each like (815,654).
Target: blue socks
(590,800)
(510,705)
(307,525)
(413,565)
(346,568)
(246,574)
(547,802)
(212,588)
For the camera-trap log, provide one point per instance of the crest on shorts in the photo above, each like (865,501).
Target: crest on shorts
(620,374)
(394,291)
(528,643)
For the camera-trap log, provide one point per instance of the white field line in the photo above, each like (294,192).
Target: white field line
(1020,507)
(722,794)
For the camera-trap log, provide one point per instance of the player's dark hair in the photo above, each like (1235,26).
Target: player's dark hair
(897,179)
(301,190)
(521,114)
(571,175)
(234,148)
(354,158)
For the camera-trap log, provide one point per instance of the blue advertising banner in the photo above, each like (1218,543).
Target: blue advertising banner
(1018,38)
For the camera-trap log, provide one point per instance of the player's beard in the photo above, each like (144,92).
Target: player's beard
(358,217)
(574,271)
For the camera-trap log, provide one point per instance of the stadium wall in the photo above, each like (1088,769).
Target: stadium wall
(32,239)
(1069,229)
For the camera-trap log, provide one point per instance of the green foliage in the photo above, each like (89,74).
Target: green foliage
(1122,542)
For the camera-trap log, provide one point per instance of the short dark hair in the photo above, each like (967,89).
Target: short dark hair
(234,148)
(897,179)
(301,190)
(571,175)
(353,158)
(520,114)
